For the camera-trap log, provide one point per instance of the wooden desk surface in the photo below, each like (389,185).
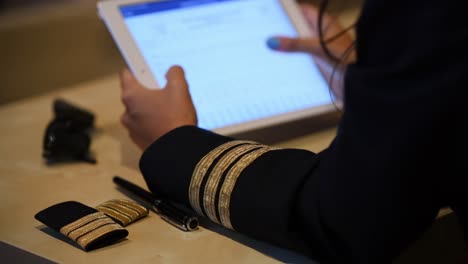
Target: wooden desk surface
(27,186)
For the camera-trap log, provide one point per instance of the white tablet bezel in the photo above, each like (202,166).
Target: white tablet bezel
(109,11)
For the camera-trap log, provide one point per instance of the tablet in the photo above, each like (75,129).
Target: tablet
(237,83)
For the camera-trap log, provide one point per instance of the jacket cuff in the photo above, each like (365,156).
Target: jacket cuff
(167,165)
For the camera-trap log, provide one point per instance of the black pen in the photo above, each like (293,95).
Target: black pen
(166,210)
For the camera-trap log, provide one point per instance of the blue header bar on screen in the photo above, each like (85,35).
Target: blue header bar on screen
(159,6)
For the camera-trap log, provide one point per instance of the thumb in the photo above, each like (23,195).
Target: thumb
(175,77)
(307,45)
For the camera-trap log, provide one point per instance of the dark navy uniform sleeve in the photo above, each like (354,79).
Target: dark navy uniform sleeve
(168,163)
(264,200)
(391,167)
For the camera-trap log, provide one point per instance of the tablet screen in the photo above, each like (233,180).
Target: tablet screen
(233,76)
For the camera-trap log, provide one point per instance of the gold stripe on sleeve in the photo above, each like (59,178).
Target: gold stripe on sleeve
(201,169)
(214,178)
(230,182)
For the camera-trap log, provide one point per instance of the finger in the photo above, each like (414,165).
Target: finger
(176,78)
(128,81)
(128,85)
(126,78)
(308,45)
(127,121)
(176,72)
(129,124)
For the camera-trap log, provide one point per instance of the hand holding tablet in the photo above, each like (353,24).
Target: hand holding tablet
(146,124)
(237,83)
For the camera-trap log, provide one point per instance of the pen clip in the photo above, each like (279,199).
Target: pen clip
(174,223)
(175,216)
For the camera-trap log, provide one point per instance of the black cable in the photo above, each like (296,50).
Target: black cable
(339,34)
(323,44)
(323,41)
(343,58)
